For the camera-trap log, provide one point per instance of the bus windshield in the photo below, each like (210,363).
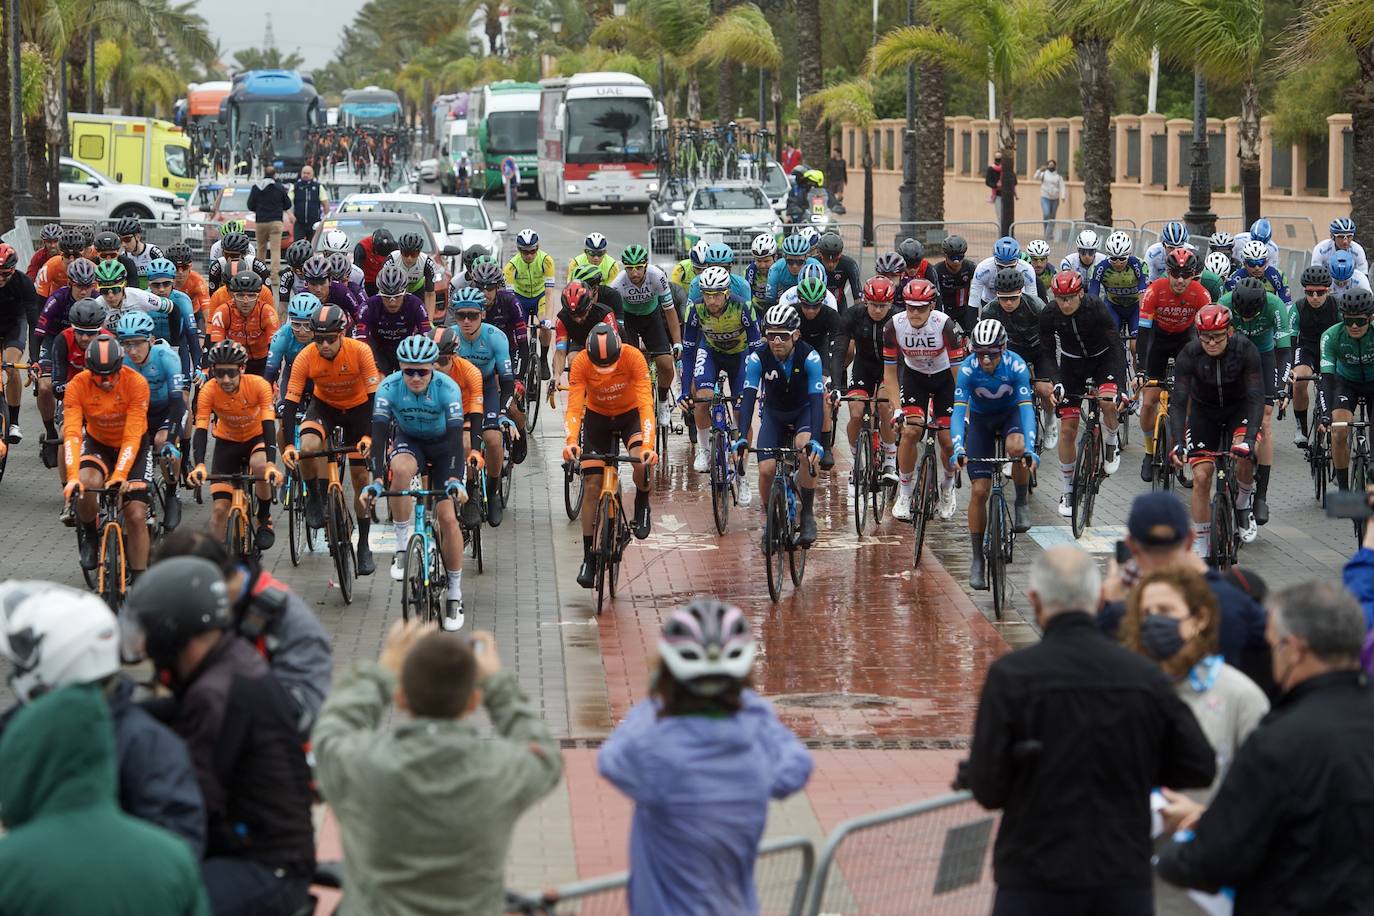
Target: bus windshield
(608,130)
(289,117)
(512,133)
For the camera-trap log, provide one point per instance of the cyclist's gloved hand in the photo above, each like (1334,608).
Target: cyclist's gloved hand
(741,446)
(815,449)
(834,397)
(1178,455)
(196,476)
(1059,393)
(477,459)
(365,446)
(454,489)
(677,351)
(514,427)
(959,458)
(372,491)
(684,402)
(200,377)
(519,389)
(170,452)
(1242,449)
(162,305)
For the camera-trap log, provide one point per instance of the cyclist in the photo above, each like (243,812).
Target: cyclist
(130,233)
(953,279)
(1218,384)
(796,252)
(345,379)
(1005,253)
(1081,328)
(108,248)
(914,263)
(1167,311)
(469,379)
(1119,281)
(1084,260)
(178,326)
(787,374)
(335,241)
(579,314)
(1344,274)
(292,280)
(103,430)
(928,342)
(119,298)
(162,370)
(1255,263)
(1347,367)
(764,250)
(52,276)
(48,247)
(287,343)
(1225,243)
(609,402)
(19,305)
(639,286)
(319,282)
(245,434)
(1318,312)
(248,319)
(1019,314)
(65,359)
(992,398)
(685,271)
(652,323)
(236,256)
(594,248)
(227,228)
(841,271)
(503,310)
(390,317)
(189,281)
(1262,231)
(865,328)
(422,272)
(589,275)
(1216,268)
(421,413)
(1173,236)
(1342,239)
(529,274)
(721,255)
(486,347)
(1037,253)
(370,254)
(54,320)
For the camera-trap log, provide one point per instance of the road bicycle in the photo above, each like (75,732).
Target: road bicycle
(424,584)
(725,468)
(507,479)
(239,538)
(1163,475)
(999,538)
(1129,404)
(869,487)
(610,530)
(1224,548)
(1089,465)
(474,512)
(534,390)
(4,402)
(782,525)
(926,495)
(338,520)
(299,533)
(1359,460)
(573,487)
(110,578)
(1317,452)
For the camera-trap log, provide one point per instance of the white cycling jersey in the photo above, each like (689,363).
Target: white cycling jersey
(925,349)
(1239,243)
(984,289)
(1322,253)
(790,297)
(654,287)
(1154,259)
(216,251)
(1073,262)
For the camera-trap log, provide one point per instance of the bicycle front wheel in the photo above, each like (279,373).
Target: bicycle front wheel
(1223,528)
(1359,480)
(438,582)
(572,491)
(112,566)
(926,497)
(859,477)
(720,481)
(235,535)
(534,400)
(1081,496)
(296,531)
(340,542)
(776,535)
(1163,476)
(414,593)
(992,549)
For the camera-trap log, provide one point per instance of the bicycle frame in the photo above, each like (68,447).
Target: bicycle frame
(241,502)
(610,523)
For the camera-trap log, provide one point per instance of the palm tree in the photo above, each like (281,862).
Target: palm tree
(851,103)
(267,59)
(1001,41)
(1093,25)
(814,144)
(741,34)
(930,142)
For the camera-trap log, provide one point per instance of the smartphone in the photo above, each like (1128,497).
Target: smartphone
(1348,504)
(1123,553)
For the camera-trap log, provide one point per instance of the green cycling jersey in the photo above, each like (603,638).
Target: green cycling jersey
(1343,355)
(1270,328)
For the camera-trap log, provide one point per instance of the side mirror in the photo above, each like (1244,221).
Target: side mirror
(499,226)
(92,183)
(455,229)
(452,251)
(679,206)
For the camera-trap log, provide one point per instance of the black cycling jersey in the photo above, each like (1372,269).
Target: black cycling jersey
(612,300)
(1023,328)
(953,286)
(867,334)
(1313,323)
(1232,382)
(219,272)
(1089,331)
(820,331)
(845,273)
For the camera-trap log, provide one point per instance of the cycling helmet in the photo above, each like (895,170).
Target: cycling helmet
(1342,266)
(707,647)
(576,297)
(1118,245)
(470,296)
(73,242)
(1248,296)
(161,269)
(595,243)
(989,333)
(714,279)
(913,251)
(179,253)
(889,262)
(447,339)
(880,291)
(110,273)
(811,269)
(128,226)
(1087,241)
(234,243)
(918,289)
(175,600)
(1342,225)
(1066,283)
(1357,301)
(328,319)
(764,245)
(87,315)
(411,243)
(335,240)
(339,264)
(1038,248)
(383,242)
(51,232)
(298,252)
(1182,262)
(811,291)
(603,345)
(721,254)
(302,307)
(782,316)
(1006,250)
(417,349)
(391,280)
(245,281)
(1317,275)
(831,245)
(1174,235)
(811,234)
(635,256)
(87,236)
(954,246)
(1261,230)
(9,258)
(227,353)
(80,273)
(1222,241)
(698,254)
(527,239)
(104,356)
(1219,263)
(487,275)
(589,274)
(794,246)
(54,636)
(1009,280)
(106,241)
(472,254)
(1254,253)
(230,227)
(1213,318)
(134,323)
(316,270)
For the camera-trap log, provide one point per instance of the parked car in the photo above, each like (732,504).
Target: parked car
(776,185)
(425,206)
(732,212)
(469,214)
(359,225)
(85,193)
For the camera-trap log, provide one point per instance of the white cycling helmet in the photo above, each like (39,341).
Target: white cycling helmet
(811,234)
(989,333)
(1038,248)
(707,646)
(1118,245)
(334,240)
(1219,263)
(1087,240)
(595,243)
(782,315)
(1255,250)
(714,279)
(55,636)
(764,246)
(698,254)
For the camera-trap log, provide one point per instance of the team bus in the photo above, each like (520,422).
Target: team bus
(596,141)
(503,119)
(370,107)
(283,100)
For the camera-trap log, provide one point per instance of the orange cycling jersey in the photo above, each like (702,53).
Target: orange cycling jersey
(469,379)
(238,416)
(610,394)
(117,418)
(198,291)
(342,382)
(254,330)
(223,297)
(52,276)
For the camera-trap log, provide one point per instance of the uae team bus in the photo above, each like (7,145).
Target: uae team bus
(283,100)
(370,107)
(503,120)
(596,141)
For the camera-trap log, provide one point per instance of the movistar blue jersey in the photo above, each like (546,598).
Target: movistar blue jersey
(281,353)
(977,392)
(1273,278)
(780,278)
(489,351)
(162,371)
(427,416)
(789,387)
(739,289)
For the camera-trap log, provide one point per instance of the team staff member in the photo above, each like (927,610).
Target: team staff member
(1167,311)
(529,274)
(249,319)
(345,380)
(609,393)
(245,433)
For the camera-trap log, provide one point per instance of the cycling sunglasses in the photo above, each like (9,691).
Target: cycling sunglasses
(469,316)
(416,373)
(327,338)
(1213,336)
(987,352)
(1355,321)
(1317,291)
(778,335)
(795,260)
(220,372)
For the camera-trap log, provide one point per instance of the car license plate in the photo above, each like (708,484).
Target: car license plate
(613,197)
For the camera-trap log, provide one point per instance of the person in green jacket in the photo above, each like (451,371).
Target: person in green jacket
(67,847)
(426,809)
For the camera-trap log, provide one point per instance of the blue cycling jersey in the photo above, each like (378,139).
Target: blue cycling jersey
(982,393)
(788,386)
(281,353)
(162,371)
(427,416)
(739,289)
(781,279)
(1274,281)
(489,351)
(1118,284)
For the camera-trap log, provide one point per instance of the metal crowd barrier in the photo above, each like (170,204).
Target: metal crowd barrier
(1290,231)
(162,233)
(669,244)
(980,235)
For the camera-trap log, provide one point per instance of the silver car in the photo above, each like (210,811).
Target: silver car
(733,212)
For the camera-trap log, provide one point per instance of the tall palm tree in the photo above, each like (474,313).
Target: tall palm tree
(741,34)
(930,142)
(851,103)
(813,143)
(1093,26)
(267,59)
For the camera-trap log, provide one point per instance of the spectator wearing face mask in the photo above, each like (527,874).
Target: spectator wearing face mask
(1051,191)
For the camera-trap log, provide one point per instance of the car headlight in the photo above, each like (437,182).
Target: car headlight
(572,189)
(653,187)
(179,202)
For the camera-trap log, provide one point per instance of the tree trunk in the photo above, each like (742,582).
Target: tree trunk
(868,185)
(930,143)
(1006,142)
(1361,97)
(1249,135)
(1096,93)
(812,141)
(36,140)
(727,103)
(6,172)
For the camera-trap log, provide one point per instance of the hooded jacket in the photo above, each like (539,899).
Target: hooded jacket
(69,849)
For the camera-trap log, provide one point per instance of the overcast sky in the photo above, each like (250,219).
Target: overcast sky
(297,26)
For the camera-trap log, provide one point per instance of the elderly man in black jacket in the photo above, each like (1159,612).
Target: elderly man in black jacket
(1071,736)
(1291,829)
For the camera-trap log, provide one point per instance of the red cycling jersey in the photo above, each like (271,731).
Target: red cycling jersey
(1169,313)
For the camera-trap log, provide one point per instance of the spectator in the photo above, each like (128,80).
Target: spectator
(791,157)
(510,175)
(240,727)
(836,176)
(270,202)
(308,201)
(1289,828)
(427,808)
(271,617)
(67,847)
(464,173)
(700,759)
(1071,735)
(56,636)
(444,168)
(1051,192)
(1359,576)
(993,179)
(1160,534)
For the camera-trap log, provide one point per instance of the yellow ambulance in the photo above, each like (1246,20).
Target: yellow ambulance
(144,151)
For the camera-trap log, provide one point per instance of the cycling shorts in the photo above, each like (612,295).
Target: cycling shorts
(709,366)
(385,357)
(1105,369)
(356,422)
(491,401)
(1270,369)
(922,389)
(159,418)
(980,437)
(1164,347)
(1127,313)
(1040,363)
(601,433)
(256,366)
(648,332)
(15,336)
(1347,395)
(104,457)
(232,457)
(531,306)
(1213,430)
(779,429)
(865,378)
(432,456)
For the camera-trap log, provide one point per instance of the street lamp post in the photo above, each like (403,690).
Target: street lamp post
(23,200)
(1200,218)
(908,191)
(556,23)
